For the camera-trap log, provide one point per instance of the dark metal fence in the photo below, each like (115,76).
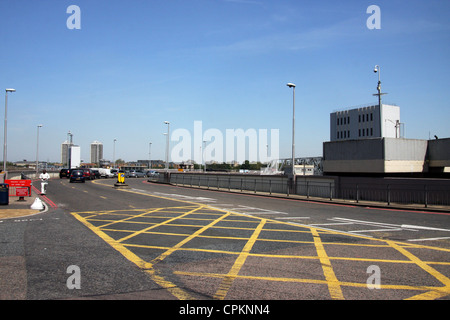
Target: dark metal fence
(403,191)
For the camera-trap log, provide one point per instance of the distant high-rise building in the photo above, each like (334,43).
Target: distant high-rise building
(65,146)
(96,152)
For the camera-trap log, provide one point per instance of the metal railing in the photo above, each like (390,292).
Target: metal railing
(316,187)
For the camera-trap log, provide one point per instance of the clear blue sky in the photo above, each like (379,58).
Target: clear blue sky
(135,64)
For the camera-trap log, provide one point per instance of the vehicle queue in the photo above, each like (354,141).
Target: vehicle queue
(83,174)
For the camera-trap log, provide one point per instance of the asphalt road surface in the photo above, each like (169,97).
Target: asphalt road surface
(153,241)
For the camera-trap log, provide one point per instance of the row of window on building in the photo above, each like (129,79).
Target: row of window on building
(361,118)
(364,132)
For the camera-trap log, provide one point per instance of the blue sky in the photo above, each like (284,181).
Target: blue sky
(135,64)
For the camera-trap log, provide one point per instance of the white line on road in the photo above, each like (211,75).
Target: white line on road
(331,224)
(423,228)
(377,230)
(430,239)
(292,218)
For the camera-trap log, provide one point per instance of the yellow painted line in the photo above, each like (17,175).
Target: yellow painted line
(105,198)
(147,267)
(333,283)
(298,280)
(159,224)
(129,217)
(187,239)
(239,262)
(433,294)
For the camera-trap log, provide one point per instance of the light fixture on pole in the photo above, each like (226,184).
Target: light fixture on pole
(37,150)
(5,130)
(291,85)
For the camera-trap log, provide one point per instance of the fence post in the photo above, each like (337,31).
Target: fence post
(331,193)
(426,196)
(307,189)
(255,186)
(388,195)
(357,193)
(229,182)
(270,186)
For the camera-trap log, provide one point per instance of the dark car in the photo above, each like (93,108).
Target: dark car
(96,173)
(64,173)
(77,175)
(88,174)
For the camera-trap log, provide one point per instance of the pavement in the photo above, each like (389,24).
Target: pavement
(17,208)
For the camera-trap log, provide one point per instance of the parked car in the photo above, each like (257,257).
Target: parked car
(151,173)
(77,175)
(88,174)
(105,173)
(96,173)
(134,174)
(64,173)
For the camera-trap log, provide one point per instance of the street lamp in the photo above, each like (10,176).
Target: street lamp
(167,144)
(377,69)
(37,150)
(150,154)
(5,132)
(291,85)
(114,154)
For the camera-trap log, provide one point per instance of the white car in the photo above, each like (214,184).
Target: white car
(105,173)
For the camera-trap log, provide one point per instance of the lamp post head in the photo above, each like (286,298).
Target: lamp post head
(166,122)
(10,90)
(291,85)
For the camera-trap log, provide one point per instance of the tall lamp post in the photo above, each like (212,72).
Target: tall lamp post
(5,132)
(291,85)
(114,154)
(150,154)
(167,144)
(37,150)
(377,69)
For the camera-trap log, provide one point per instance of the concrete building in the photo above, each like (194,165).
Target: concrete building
(75,157)
(386,156)
(65,154)
(96,152)
(365,122)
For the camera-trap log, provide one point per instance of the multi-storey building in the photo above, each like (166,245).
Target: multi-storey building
(366,122)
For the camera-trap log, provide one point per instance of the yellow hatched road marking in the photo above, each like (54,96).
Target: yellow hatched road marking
(234,271)
(435,292)
(333,283)
(147,267)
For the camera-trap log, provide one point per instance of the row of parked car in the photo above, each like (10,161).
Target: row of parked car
(83,174)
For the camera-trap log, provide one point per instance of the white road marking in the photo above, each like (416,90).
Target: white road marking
(430,239)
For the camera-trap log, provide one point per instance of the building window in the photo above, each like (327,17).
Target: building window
(359,132)
(371,117)
(371,131)
(359,118)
